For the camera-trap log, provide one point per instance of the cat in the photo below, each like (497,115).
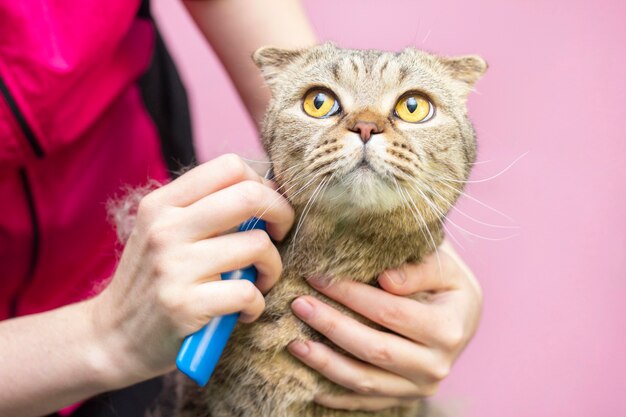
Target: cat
(372,149)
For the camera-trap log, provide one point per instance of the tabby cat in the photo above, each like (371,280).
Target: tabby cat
(371,148)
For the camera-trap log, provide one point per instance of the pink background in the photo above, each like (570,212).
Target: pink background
(553,339)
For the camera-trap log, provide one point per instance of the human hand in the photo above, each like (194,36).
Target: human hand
(167,284)
(391,370)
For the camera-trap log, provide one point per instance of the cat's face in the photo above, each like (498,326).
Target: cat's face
(369,130)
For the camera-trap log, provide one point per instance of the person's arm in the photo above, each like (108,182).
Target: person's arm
(393,369)
(166,286)
(236,28)
(50,360)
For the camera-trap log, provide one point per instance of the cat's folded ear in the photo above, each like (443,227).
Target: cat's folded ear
(272,60)
(467,68)
(270,56)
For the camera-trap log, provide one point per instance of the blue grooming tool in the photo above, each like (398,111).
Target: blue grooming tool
(201,350)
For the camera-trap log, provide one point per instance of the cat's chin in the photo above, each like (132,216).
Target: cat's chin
(362,190)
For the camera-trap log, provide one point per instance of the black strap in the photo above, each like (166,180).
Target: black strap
(144,10)
(165,99)
(21,120)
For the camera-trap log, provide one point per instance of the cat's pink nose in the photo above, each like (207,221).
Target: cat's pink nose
(366,129)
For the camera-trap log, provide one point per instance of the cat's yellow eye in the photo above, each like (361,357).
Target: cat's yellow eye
(414,108)
(320,104)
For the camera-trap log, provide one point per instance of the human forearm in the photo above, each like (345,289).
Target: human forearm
(236,28)
(51,360)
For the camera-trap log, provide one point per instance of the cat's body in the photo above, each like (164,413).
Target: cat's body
(256,375)
(365,202)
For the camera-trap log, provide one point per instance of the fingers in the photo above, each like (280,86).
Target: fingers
(224,209)
(440,271)
(206,179)
(219,298)
(207,258)
(211,199)
(355,375)
(360,402)
(405,316)
(191,304)
(385,350)
(437,330)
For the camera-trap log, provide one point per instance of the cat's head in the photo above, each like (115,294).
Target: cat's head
(369,131)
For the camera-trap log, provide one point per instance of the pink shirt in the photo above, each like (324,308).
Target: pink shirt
(73,131)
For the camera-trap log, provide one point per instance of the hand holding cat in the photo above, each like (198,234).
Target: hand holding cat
(167,284)
(391,370)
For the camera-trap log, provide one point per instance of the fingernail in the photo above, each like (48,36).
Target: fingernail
(302,308)
(299,348)
(396,275)
(319,281)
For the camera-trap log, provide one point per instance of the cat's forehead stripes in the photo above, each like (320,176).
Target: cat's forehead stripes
(369,78)
(359,67)
(448,78)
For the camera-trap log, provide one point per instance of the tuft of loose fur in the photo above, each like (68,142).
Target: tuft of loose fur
(122,210)
(361,208)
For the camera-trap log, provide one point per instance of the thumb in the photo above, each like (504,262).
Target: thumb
(438,271)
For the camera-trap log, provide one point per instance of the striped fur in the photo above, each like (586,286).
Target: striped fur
(355,222)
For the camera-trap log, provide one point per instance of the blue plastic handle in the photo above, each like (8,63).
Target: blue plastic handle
(201,350)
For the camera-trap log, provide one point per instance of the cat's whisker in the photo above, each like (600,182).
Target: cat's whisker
(341,194)
(417,214)
(416,188)
(449,233)
(307,208)
(461,212)
(294,183)
(254,161)
(412,208)
(304,187)
(406,203)
(292,245)
(291,182)
(464,194)
(276,200)
(475,220)
(488,178)
(288,170)
(431,204)
(435,209)
(427,36)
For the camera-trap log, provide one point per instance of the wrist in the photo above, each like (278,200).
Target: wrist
(108,352)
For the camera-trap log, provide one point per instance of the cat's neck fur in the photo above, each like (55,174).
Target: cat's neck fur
(356,246)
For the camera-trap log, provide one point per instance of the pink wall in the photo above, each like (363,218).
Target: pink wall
(552,339)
